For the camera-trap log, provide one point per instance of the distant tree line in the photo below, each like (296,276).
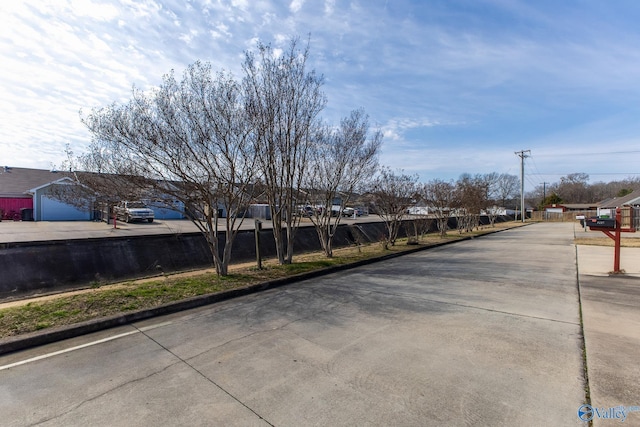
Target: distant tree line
(575,188)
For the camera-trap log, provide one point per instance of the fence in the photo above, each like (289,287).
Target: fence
(560,216)
(628,221)
(631,217)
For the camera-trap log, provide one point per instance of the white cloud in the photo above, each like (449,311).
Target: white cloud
(296,5)
(223,29)
(188,37)
(281,39)
(240,4)
(142,8)
(176,21)
(396,127)
(99,45)
(329,6)
(95,10)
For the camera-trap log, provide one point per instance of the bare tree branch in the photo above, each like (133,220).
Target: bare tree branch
(441,199)
(184,141)
(340,160)
(393,193)
(283,101)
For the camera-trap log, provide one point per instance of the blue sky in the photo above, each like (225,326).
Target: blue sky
(456,86)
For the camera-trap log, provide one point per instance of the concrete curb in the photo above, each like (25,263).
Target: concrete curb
(33,339)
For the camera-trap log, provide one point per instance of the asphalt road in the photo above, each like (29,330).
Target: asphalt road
(482,332)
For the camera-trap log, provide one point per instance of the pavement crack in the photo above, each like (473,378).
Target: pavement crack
(206,378)
(492,310)
(332,304)
(104,393)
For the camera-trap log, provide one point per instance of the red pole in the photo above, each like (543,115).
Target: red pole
(616,253)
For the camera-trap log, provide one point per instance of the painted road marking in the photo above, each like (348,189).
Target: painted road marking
(78,347)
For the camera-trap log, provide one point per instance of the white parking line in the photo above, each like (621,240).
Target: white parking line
(78,347)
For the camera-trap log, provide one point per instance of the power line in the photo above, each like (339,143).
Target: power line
(590,174)
(530,182)
(580,153)
(535,167)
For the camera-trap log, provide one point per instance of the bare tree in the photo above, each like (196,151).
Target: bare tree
(283,101)
(574,188)
(440,197)
(417,228)
(472,195)
(340,160)
(489,182)
(183,141)
(507,188)
(393,194)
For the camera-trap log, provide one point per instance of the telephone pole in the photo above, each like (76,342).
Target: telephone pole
(544,198)
(522,154)
(544,191)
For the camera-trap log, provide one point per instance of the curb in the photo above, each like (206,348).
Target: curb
(34,339)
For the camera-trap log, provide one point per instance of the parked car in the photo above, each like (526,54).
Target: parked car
(348,212)
(305,211)
(133,211)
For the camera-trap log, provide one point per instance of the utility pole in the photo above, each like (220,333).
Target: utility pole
(544,191)
(544,197)
(522,154)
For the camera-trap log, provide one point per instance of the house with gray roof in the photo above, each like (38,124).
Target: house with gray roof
(609,206)
(50,195)
(26,194)
(632,200)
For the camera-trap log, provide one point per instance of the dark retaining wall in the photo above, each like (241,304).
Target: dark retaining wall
(44,267)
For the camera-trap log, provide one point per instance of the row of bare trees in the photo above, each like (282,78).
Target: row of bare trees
(394,193)
(217,144)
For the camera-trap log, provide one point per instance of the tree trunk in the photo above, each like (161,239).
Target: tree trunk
(212,240)
(276,219)
(290,236)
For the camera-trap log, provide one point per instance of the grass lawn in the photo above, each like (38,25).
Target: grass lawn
(625,242)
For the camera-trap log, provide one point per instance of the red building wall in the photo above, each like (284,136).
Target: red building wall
(11,206)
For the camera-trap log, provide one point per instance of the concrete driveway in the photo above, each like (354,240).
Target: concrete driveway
(483,332)
(611,313)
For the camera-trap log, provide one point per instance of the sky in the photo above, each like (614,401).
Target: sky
(456,86)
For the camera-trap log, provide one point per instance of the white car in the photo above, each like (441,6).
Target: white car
(348,212)
(133,211)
